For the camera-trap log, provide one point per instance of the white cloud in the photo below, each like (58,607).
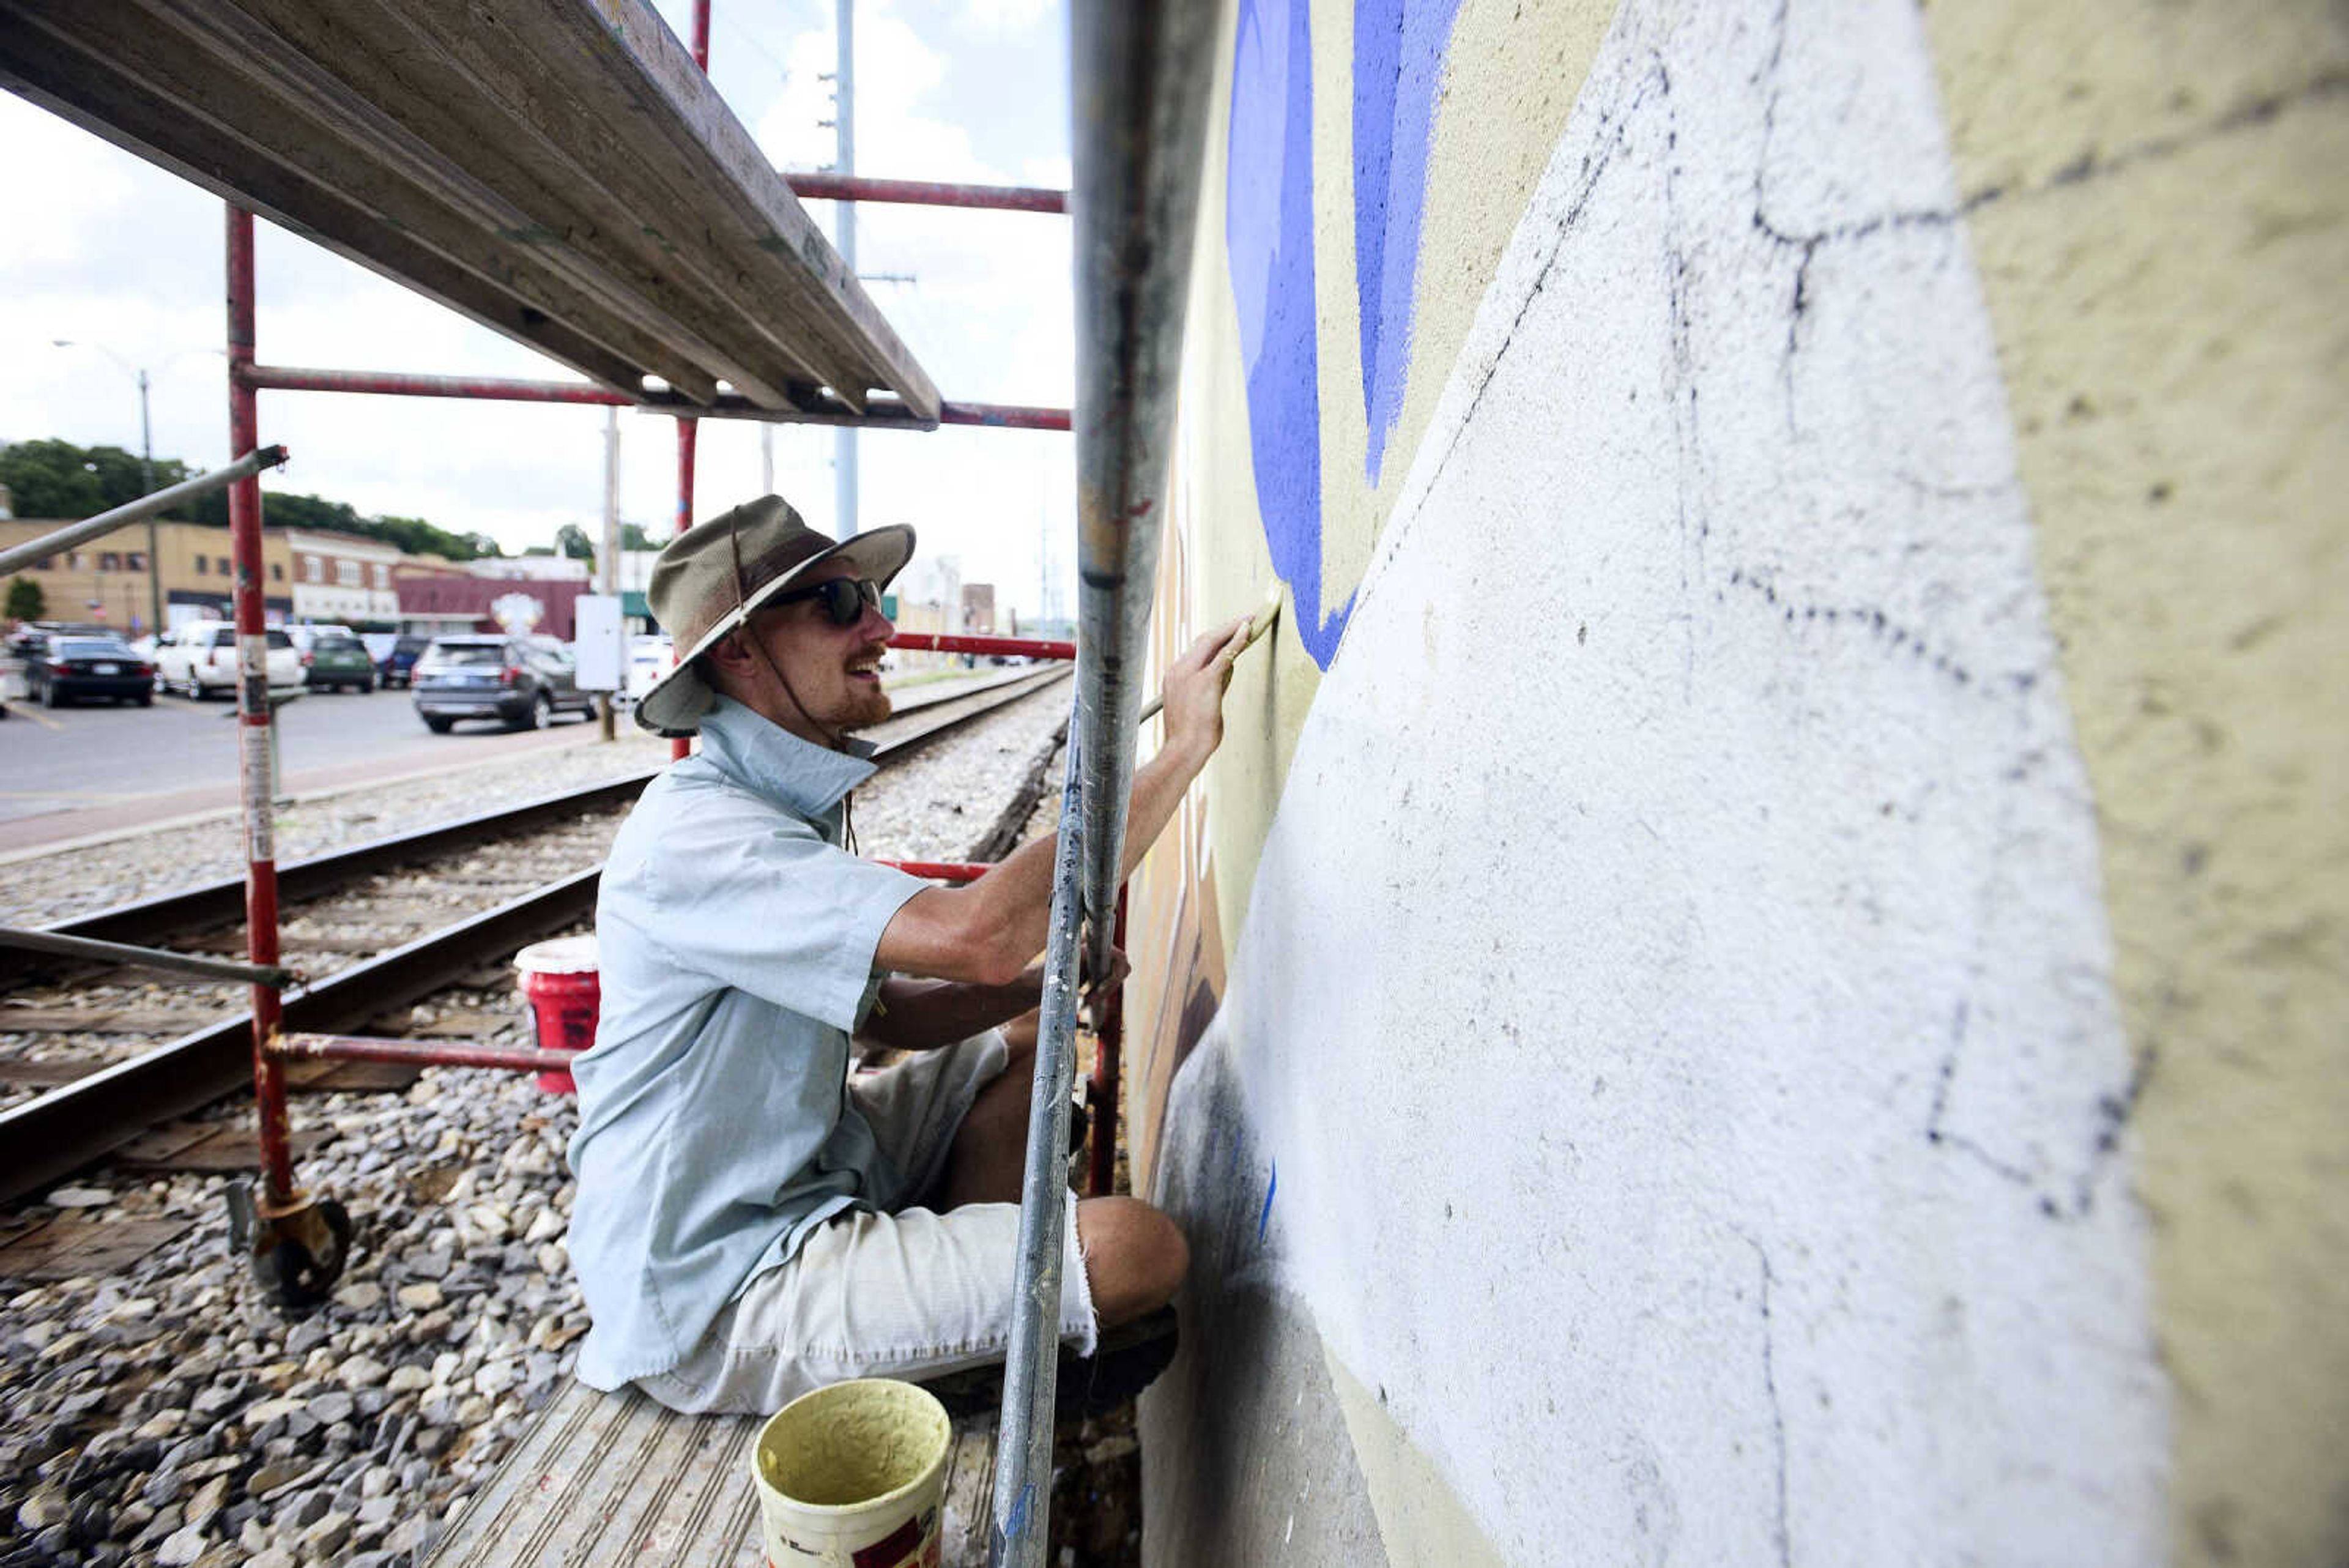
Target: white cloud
(129,257)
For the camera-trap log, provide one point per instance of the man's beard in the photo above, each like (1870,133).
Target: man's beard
(867,708)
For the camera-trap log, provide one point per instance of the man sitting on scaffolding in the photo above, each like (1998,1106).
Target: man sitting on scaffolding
(751,1222)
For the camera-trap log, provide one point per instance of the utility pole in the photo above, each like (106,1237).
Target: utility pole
(844,131)
(146,478)
(147,485)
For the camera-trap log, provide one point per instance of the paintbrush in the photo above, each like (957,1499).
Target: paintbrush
(1261,622)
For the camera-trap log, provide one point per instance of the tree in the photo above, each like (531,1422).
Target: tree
(572,540)
(51,478)
(417,536)
(633,538)
(25,601)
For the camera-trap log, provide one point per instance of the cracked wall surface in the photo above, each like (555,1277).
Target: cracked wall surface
(1778,999)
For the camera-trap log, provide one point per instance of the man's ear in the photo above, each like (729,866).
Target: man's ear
(726,663)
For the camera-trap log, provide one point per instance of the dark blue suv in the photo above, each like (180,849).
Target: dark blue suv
(398,665)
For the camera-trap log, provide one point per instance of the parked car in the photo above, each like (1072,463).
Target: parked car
(307,633)
(64,667)
(648,660)
(517,681)
(332,663)
(200,658)
(396,666)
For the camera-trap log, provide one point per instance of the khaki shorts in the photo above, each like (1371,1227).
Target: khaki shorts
(911,1294)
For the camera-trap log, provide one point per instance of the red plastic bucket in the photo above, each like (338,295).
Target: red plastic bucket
(560,988)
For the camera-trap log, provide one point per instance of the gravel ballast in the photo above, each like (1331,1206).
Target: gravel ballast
(167,1412)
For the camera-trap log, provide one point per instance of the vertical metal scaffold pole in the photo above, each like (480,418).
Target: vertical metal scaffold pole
(256,736)
(1141,76)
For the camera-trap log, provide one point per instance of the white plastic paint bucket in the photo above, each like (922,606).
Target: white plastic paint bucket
(852,1476)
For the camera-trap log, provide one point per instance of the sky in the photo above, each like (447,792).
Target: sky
(125,262)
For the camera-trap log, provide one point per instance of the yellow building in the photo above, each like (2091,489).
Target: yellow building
(107,579)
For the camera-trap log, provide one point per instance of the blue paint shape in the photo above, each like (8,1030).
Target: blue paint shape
(1268,242)
(1019,1519)
(1265,1218)
(1399,47)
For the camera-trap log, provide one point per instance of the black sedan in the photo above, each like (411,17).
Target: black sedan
(67,667)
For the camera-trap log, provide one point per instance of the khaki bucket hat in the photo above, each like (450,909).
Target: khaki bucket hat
(710,578)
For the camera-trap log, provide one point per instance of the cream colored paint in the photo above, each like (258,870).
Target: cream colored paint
(1511,79)
(1421,1521)
(2163,260)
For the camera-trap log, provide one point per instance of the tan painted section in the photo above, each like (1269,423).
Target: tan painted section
(1421,1519)
(1513,74)
(2164,261)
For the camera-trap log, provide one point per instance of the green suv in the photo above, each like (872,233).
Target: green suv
(338,660)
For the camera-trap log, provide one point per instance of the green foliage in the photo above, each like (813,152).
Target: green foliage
(572,540)
(25,600)
(633,538)
(55,479)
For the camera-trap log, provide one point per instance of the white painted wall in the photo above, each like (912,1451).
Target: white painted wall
(1673,1018)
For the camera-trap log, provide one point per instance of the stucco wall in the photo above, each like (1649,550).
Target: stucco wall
(1760,976)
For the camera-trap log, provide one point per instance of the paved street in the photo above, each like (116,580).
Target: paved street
(70,771)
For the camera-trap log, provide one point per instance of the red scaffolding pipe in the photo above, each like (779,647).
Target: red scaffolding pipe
(813,186)
(1028,647)
(1108,1040)
(701,35)
(1004,416)
(420,1052)
(943,870)
(256,742)
(294,378)
(885,411)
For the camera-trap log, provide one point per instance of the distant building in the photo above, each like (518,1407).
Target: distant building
(538,568)
(978,609)
(343,578)
(432,601)
(106,579)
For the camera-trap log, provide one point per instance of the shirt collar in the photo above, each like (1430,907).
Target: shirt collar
(752,749)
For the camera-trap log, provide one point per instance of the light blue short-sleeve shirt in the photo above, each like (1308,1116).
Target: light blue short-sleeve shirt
(735,942)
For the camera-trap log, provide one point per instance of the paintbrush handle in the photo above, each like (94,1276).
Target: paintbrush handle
(1257,626)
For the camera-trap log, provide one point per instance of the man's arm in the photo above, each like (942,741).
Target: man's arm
(987,931)
(923,1014)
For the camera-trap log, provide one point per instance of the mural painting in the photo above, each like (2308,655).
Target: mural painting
(1656,1051)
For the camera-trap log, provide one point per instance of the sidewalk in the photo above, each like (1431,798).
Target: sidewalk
(57,830)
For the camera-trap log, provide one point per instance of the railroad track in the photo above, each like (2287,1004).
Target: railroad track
(369,929)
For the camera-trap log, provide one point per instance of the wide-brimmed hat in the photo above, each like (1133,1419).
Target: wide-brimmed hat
(710,578)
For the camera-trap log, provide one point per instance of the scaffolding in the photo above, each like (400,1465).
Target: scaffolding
(476,154)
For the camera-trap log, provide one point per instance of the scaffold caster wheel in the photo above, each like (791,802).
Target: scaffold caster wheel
(298,1259)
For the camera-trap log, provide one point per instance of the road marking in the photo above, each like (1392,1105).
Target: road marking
(26,711)
(70,794)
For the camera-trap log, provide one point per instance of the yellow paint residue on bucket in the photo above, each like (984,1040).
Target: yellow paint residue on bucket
(853,1474)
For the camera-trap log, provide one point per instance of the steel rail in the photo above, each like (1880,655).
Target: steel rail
(67,1129)
(150,921)
(1139,97)
(70,1127)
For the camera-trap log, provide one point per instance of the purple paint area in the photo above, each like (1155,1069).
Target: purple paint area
(1399,48)
(1268,242)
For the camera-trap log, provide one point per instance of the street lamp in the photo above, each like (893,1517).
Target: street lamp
(146,467)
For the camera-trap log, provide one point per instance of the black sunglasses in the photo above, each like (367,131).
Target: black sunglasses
(846,599)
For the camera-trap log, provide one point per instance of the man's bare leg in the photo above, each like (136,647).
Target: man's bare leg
(1134,1255)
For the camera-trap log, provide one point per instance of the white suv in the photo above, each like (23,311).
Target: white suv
(201,658)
